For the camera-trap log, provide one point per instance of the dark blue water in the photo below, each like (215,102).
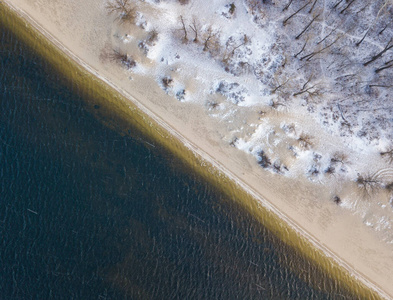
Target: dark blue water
(86,213)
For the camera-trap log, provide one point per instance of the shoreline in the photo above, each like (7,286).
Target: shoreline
(214,168)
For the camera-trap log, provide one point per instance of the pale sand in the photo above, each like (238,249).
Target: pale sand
(82,29)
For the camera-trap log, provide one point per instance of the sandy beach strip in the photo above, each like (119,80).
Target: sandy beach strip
(228,175)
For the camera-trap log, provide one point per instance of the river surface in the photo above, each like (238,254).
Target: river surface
(88,213)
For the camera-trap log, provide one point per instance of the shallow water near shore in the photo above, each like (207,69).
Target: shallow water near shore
(89,213)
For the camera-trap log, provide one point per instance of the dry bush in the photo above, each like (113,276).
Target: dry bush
(330,170)
(212,105)
(166,82)
(305,141)
(264,161)
(275,104)
(126,13)
(122,58)
(388,155)
(339,157)
(232,8)
(152,37)
(337,200)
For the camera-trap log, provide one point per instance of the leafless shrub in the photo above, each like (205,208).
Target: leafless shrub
(264,161)
(330,170)
(181,94)
(305,141)
(210,40)
(122,58)
(150,40)
(232,8)
(337,200)
(275,104)
(212,105)
(126,13)
(278,167)
(233,142)
(166,82)
(314,170)
(152,37)
(339,157)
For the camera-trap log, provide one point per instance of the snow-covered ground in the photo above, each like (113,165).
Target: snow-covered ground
(273,70)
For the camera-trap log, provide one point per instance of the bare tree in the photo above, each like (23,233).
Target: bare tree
(326,36)
(308,25)
(312,7)
(346,7)
(287,6)
(368,184)
(384,28)
(364,36)
(375,57)
(194,27)
(209,38)
(311,55)
(279,86)
(124,10)
(229,54)
(386,66)
(301,50)
(184,29)
(294,14)
(337,4)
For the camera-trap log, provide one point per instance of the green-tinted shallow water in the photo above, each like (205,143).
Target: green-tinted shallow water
(88,213)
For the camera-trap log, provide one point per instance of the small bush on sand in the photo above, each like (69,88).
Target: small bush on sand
(305,141)
(122,58)
(264,161)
